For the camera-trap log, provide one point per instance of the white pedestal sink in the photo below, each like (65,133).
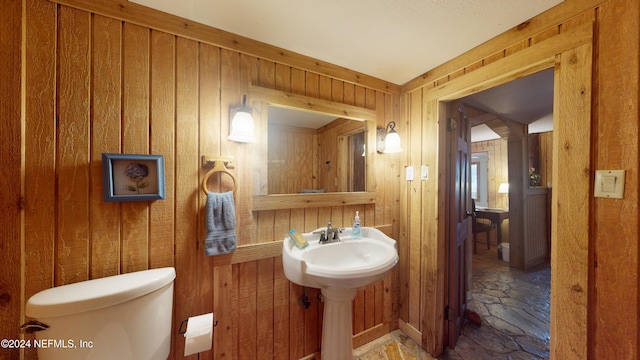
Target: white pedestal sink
(338,269)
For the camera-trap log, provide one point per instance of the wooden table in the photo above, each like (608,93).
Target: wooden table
(496,216)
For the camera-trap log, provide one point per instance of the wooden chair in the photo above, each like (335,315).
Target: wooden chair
(479,227)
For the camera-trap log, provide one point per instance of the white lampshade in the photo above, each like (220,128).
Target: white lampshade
(242,125)
(392,143)
(503,188)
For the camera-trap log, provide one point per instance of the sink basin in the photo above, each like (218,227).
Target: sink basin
(348,263)
(338,269)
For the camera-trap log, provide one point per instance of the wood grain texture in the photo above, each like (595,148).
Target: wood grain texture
(106,134)
(162,140)
(73,141)
(497,169)
(11,178)
(54,191)
(570,204)
(135,140)
(186,191)
(616,135)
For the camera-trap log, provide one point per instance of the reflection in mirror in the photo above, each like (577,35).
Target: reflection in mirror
(310,152)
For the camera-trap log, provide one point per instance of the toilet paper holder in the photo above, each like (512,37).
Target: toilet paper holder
(183,326)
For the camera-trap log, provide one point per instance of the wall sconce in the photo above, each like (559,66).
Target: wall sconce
(242,124)
(388,140)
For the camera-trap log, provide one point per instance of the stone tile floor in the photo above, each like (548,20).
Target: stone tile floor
(513,306)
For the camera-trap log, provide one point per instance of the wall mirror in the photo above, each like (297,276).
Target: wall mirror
(313,153)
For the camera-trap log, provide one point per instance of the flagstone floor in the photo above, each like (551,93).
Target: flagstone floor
(513,306)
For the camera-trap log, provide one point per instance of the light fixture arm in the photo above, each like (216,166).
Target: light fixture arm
(391,126)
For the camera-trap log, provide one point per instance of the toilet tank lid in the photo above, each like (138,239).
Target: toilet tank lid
(98,293)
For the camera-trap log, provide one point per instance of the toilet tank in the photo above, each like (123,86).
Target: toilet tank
(124,316)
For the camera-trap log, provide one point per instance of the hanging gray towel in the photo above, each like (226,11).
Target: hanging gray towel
(220,218)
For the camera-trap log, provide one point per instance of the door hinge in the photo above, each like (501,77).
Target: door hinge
(449,313)
(452,124)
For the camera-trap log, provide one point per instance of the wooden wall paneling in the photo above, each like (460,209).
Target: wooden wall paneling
(337,90)
(247,313)
(245,155)
(281,302)
(502,173)
(546,157)
(569,280)
(312,84)
(282,77)
(415,215)
(296,311)
(265,307)
(187,166)
(39,151)
(403,241)
(324,88)
(298,82)
(265,285)
(377,171)
(11,174)
(135,140)
(616,304)
(106,95)
(433,253)
(73,137)
(225,310)
(162,142)
(232,308)
(311,321)
(209,119)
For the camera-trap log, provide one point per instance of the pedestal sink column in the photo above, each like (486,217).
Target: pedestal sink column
(337,333)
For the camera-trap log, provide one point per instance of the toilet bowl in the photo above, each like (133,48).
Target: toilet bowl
(124,316)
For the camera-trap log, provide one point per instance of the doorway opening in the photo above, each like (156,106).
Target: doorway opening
(512,304)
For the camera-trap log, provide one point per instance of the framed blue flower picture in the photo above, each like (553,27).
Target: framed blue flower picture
(132,177)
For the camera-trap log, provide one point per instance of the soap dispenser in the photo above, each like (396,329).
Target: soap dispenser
(356,232)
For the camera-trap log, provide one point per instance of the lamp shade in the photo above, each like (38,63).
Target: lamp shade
(242,127)
(392,143)
(503,188)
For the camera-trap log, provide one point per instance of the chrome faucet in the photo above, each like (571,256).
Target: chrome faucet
(330,235)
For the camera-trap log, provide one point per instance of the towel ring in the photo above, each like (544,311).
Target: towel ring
(218,166)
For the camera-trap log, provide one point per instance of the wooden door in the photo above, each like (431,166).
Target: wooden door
(458,224)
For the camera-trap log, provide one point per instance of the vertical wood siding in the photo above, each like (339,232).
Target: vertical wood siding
(608,66)
(78,84)
(97,84)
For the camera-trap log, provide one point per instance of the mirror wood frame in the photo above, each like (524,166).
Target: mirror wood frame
(261,98)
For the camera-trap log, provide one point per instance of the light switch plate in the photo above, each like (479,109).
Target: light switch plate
(609,184)
(424,172)
(409,172)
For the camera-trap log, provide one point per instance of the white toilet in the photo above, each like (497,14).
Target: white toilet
(125,316)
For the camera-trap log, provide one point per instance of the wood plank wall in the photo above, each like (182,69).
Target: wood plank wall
(616,69)
(293,160)
(497,169)
(497,156)
(103,76)
(222,283)
(11,175)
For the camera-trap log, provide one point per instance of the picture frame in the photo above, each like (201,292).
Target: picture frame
(133,177)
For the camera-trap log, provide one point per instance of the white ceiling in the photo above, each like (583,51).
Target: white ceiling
(393,40)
